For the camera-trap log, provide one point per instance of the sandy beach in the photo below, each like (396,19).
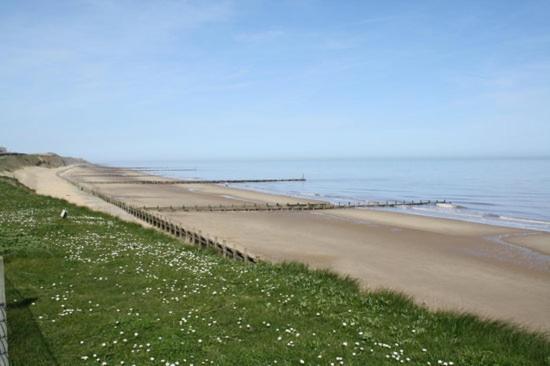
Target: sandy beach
(495,272)
(45,181)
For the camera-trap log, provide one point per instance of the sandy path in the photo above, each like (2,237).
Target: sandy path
(46,182)
(495,272)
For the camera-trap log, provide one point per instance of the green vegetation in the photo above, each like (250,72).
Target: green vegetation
(14,162)
(93,290)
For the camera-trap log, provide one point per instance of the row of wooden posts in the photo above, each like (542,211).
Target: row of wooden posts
(289,206)
(115,175)
(187,235)
(202,181)
(139,168)
(197,238)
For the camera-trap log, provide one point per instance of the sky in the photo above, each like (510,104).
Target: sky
(106,79)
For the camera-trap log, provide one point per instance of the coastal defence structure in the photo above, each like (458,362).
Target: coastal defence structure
(218,181)
(161,223)
(151,216)
(146,169)
(290,206)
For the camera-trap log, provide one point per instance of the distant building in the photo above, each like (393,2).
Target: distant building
(3,150)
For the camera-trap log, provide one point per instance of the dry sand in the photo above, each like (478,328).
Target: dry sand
(495,272)
(45,181)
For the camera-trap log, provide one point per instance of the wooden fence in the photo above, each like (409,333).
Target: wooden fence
(114,175)
(289,206)
(161,223)
(142,168)
(204,241)
(218,181)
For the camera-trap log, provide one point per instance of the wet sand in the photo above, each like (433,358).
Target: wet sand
(495,272)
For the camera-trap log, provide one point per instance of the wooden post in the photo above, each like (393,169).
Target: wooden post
(224,244)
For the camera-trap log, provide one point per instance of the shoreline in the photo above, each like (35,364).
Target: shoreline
(526,240)
(482,219)
(460,211)
(442,263)
(498,220)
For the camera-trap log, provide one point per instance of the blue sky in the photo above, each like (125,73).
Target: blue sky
(106,79)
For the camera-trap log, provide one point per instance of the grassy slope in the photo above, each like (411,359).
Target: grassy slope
(94,287)
(14,162)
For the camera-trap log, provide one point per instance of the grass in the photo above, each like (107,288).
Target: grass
(93,290)
(10,163)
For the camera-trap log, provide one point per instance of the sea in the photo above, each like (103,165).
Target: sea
(504,192)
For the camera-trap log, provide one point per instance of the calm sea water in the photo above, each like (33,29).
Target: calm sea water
(508,192)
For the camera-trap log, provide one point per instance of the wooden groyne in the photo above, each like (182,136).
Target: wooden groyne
(113,175)
(165,170)
(289,206)
(161,223)
(217,181)
(143,168)
(204,241)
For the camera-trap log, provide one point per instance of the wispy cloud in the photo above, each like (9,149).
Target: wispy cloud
(98,48)
(371,21)
(341,42)
(102,30)
(259,36)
